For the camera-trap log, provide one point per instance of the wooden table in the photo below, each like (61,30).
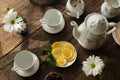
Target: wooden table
(38,39)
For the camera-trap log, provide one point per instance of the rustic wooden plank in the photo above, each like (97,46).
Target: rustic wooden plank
(110,51)
(39,37)
(45,68)
(37,41)
(106,52)
(11,4)
(13,76)
(9,42)
(2,76)
(93,6)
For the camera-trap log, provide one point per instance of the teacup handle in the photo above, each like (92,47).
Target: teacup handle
(42,21)
(15,68)
(111,24)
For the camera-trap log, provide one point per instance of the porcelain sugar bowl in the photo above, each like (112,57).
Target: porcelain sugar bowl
(75,8)
(91,34)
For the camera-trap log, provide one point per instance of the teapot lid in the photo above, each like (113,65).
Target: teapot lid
(96,23)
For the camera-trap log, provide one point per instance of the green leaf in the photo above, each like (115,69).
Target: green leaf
(24,20)
(44,51)
(47,60)
(50,55)
(18,16)
(50,59)
(49,48)
(53,63)
(8,9)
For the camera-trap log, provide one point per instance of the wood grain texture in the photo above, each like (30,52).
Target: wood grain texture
(41,37)
(31,13)
(38,39)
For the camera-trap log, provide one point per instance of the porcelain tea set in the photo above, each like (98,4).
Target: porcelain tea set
(91,34)
(53,21)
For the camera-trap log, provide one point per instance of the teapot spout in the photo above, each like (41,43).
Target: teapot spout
(76,32)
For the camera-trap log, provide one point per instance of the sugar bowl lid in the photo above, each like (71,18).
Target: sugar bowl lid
(96,23)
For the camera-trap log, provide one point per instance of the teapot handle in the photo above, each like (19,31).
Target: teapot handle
(111,24)
(76,33)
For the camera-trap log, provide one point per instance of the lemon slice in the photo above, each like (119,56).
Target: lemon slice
(70,46)
(72,58)
(57,52)
(57,45)
(66,53)
(61,61)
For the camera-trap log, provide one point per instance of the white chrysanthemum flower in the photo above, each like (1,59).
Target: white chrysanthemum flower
(93,65)
(12,23)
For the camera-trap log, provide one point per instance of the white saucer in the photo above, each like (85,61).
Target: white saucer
(115,38)
(71,62)
(53,30)
(32,71)
(114,34)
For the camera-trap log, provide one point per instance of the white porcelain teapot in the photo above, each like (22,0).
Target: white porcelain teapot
(91,34)
(75,8)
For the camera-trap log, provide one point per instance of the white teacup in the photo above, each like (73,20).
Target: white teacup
(53,21)
(75,8)
(24,60)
